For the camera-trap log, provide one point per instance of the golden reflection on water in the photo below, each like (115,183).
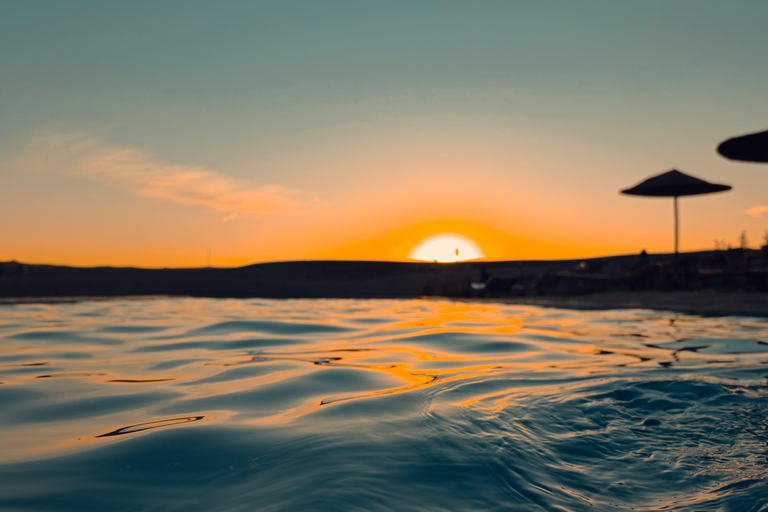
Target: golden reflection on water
(271,363)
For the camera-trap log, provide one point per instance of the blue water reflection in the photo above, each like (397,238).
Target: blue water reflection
(201,404)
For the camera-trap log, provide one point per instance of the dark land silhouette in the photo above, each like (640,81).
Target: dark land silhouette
(727,280)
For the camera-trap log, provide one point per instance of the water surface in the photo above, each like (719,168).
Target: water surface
(240,405)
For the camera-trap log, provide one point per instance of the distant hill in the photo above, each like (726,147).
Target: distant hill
(293,279)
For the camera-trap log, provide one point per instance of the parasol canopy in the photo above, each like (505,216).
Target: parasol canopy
(752,147)
(674,184)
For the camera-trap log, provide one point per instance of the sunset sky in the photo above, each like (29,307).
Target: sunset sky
(147,132)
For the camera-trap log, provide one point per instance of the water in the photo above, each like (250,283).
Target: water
(242,405)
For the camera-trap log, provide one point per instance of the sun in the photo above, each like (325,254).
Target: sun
(445,247)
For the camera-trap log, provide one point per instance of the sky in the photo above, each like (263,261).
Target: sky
(157,133)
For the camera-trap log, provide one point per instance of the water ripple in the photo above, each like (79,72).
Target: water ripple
(379,405)
(150,425)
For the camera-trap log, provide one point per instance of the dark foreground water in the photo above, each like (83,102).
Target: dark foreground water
(245,405)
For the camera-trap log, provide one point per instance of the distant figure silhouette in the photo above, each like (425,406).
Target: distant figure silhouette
(643,257)
(485,276)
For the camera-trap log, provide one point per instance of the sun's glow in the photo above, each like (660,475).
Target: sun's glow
(445,247)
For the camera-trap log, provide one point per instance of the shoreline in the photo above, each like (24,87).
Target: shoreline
(702,303)
(569,284)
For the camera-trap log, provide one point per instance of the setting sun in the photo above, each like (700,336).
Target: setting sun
(446,247)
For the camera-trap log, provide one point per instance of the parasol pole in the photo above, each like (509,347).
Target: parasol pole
(677,229)
(677,279)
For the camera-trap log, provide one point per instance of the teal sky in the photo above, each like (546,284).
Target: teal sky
(560,102)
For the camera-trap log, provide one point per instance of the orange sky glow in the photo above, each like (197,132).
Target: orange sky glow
(316,143)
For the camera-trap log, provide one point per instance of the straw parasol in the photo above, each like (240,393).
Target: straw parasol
(752,147)
(674,184)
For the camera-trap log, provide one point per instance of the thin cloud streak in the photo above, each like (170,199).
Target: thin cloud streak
(756,211)
(142,175)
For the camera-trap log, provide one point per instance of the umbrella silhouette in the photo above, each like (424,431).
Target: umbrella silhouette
(752,147)
(674,184)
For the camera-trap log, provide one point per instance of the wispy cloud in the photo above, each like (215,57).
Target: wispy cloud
(756,211)
(143,175)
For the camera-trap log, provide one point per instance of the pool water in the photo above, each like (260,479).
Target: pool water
(164,404)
